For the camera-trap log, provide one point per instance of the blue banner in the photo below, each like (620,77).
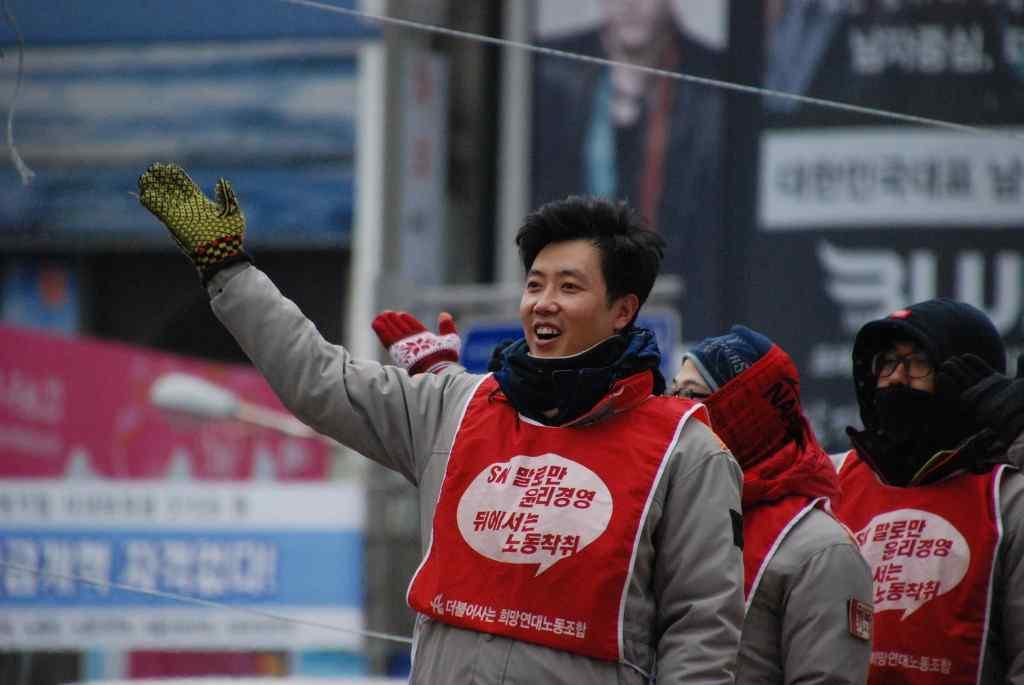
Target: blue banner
(263,94)
(251,568)
(198,565)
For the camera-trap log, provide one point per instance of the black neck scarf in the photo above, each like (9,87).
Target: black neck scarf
(913,426)
(569,387)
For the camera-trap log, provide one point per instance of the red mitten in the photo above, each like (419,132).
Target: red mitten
(413,347)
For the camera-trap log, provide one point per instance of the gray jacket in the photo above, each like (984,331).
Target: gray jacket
(1004,653)
(684,604)
(796,629)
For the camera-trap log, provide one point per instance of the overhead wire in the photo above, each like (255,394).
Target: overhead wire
(198,601)
(23,169)
(665,73)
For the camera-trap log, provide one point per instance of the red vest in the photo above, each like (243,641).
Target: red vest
(932,551)
(536,527)
(764,527)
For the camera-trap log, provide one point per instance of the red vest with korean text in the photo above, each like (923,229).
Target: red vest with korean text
(931,549)
(536,527)
(764,528)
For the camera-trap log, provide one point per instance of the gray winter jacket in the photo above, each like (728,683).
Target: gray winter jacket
(684,604)
(797,628)
(1004,653)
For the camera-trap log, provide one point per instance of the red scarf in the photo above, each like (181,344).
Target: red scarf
(758,415)
(785,471)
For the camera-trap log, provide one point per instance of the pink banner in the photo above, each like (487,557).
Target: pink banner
(74,407)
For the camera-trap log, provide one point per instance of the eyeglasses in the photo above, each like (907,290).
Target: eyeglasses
(688,394)
(916,365)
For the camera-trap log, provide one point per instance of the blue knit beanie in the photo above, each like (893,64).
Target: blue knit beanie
(722,358)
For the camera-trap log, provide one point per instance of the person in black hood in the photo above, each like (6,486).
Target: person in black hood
(915,414)
(933,498)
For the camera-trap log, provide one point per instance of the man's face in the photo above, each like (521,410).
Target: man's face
(635,23)
(688,383)
(565,307)
(904,363)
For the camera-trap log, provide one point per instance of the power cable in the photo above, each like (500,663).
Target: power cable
(205,603)
(676,75)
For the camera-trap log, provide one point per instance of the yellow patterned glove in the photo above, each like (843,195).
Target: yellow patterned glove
(210,234)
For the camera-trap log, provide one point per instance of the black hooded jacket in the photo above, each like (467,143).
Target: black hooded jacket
(943,328)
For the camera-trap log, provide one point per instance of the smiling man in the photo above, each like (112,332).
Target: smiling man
(576,527)
(566,304)
(590,265)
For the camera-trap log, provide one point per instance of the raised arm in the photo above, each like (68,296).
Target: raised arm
(379,411)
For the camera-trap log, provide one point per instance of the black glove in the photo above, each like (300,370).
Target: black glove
(994,400)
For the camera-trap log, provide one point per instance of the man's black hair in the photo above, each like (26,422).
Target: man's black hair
(631,253)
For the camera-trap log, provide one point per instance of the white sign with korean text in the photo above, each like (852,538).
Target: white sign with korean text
(534,510)
(884,177)
(915,556)
(150,564)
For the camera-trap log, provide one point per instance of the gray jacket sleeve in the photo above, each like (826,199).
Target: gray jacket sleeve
(817,647)
(698,567)
(797,629)
(1015,453)
(379,411)
(1008,636)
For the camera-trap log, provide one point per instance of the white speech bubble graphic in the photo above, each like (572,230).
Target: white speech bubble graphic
(534,510)
(915,556)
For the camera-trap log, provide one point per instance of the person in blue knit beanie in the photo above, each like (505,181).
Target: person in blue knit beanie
(808,590)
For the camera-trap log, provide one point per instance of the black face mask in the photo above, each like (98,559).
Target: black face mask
(912,426)
(905,413)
